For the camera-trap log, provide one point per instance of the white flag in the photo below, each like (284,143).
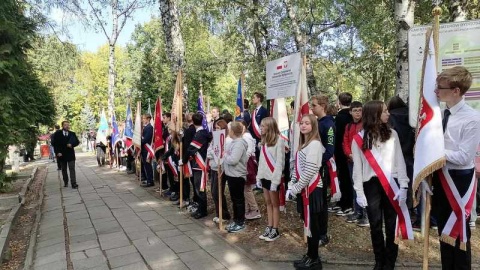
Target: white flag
(301,109)
(429,151)
(137,131)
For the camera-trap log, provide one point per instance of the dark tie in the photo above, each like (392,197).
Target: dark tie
(446,115)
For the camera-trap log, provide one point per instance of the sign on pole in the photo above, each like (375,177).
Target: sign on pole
(218,145)
(283,75)
(459,45)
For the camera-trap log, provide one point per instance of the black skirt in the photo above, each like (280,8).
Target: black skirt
(315,202)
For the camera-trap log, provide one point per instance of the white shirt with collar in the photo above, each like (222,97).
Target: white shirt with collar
(65,133)
(462,136)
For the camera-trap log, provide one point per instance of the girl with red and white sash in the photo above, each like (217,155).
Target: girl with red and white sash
(306,182)
(272,159)
(377,161)
(170,159)
(218,125)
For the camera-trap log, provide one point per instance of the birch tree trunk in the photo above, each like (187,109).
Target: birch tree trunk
(174,40)
(404,15)
(111,59)
(300,44)
(458,12)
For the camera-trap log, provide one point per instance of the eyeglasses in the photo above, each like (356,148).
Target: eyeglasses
(443,88)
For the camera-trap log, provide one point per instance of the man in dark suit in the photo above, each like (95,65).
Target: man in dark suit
(52,139)
(64,142)
(147,135)
(258,114)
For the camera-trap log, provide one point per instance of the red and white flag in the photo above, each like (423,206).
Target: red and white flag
(278,110)
(429,153)
(157,127)
(301,108)
(137,131)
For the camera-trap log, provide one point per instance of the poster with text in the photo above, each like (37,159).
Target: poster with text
(459,45)
(218,144)
(283,75)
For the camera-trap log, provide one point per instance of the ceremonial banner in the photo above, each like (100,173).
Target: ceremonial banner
(429,152)
(301,108)
(283,76)
(239,107)
(102,132)
(128,130)
(201,110)
(150,112)
(177,104)
(115,133)
(137,132)
(219,145)
(157,127)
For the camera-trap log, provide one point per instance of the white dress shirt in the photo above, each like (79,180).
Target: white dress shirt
(462,136)
(392,156)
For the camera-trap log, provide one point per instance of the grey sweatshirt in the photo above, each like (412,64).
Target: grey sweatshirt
(235,159)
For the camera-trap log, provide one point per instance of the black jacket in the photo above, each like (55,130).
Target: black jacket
(326,128)
(399,120)
(147,136)
(60,145)
(199,144)
(343,118)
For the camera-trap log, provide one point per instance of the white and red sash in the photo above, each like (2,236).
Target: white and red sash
(172,166)
(187,170)
(456,226)
(203,167)
(391,188)
(151,153)
(255,125)
(332,172)
(305,194)
(268,158)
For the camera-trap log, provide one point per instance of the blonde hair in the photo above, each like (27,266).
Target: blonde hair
(305,139)
(236,128)
(322,101)
(457,77)
(270,138)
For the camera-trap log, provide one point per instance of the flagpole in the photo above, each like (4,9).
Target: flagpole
(179,120)
(242,81)
(220,202)
(437,11)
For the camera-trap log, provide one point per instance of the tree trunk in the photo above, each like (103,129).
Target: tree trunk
(174,40)
(300,44)
(111,59)
(458,11)
(404,15)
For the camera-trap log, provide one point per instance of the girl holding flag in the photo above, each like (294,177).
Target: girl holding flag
(306,181)
(172,156)
(378,166)
(272,158)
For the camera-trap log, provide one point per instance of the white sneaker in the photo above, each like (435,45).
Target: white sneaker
(472,224)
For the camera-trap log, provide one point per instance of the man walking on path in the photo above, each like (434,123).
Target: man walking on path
(64,142)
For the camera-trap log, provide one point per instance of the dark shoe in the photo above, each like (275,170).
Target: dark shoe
(301,261)
(58,169)
(174,197)
(65,185)
(236,227)
(324,240)
(147,184)
(310,264)
(130,172)
(75,186)
(198,215)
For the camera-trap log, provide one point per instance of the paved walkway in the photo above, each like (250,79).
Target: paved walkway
(112,223)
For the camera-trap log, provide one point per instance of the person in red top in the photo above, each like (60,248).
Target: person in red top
(359,215)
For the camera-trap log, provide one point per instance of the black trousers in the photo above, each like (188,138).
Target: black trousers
(130,163)
(195,196)
(71,168)
(345,183)
(324,211)
(174,186)
(201,195)
(164,179)
(380,209)
(236,186)
(186,189)
(214,188)
(147,169)
(452,256)
(312,242)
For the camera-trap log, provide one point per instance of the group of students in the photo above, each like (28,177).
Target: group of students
(370,157)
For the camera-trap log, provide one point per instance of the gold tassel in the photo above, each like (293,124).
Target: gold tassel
(447,239)
(463,246)
(435,166)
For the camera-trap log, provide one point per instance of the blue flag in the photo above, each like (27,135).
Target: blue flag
(201,110)
(115,133)
(128,130)
(239,107)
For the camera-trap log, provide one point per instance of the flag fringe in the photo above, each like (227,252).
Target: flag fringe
(451,241)
(430,169)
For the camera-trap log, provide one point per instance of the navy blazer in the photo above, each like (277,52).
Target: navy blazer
(262,113)
(147,136)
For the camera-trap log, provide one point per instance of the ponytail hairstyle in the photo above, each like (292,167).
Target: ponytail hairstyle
(374,129)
